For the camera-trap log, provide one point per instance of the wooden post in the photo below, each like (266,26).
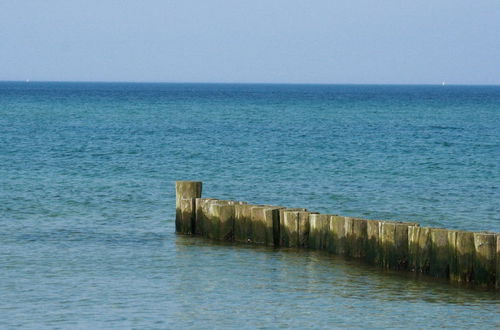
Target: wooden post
(284,239)
(225,221)
(419,249)
(202,213)
(485,259)
(394,245)
(463,255)
(337,241)
(290,229)
(263,219)
(356,237)
(373,251)
(186,190)
(319,224)
(440,254)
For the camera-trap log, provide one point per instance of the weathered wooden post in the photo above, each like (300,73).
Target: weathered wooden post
(217,218)
(224,219)
(440,255)
(304,228)
(356,237)
(185,211)
(498,262)
(485,259)
(460,256)
(463,255)
(290,229)
(263,219)
(283,228)
(185,217)
(243,227)
(373,251)
(419,249)
(319,224)
(394,245)
(242,222)
(211,221)
(201,215)
(337,235)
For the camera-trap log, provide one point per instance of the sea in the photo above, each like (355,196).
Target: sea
(87,201)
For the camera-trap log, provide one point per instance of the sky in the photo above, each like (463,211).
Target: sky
(268,41)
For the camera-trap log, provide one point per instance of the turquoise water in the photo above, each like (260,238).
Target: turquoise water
(87,200)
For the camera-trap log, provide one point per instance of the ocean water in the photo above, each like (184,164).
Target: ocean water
(87,201)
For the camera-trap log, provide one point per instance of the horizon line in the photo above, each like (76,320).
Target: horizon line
(243,83)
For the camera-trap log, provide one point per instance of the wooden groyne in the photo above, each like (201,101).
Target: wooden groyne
(460,256)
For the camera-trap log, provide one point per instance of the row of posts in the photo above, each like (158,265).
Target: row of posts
(460,256)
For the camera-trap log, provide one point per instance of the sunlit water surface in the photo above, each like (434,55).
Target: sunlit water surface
(87,201)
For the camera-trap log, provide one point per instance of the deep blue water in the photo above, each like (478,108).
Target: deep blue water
(87,200)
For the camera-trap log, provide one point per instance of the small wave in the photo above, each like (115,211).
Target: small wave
(450,128)
(65,235)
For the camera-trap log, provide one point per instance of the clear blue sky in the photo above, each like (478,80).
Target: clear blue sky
(309,41)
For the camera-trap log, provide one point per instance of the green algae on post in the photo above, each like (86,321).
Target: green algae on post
(263,218)
(319,224)
(186,216)
(290,229)
(485,258)
(337,235)
(419,249)
(459,256)
(185,190)
(284,229)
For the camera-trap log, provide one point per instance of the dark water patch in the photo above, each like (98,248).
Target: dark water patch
(86,236)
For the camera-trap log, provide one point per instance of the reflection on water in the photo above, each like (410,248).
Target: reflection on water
(291,287)
(104,278)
